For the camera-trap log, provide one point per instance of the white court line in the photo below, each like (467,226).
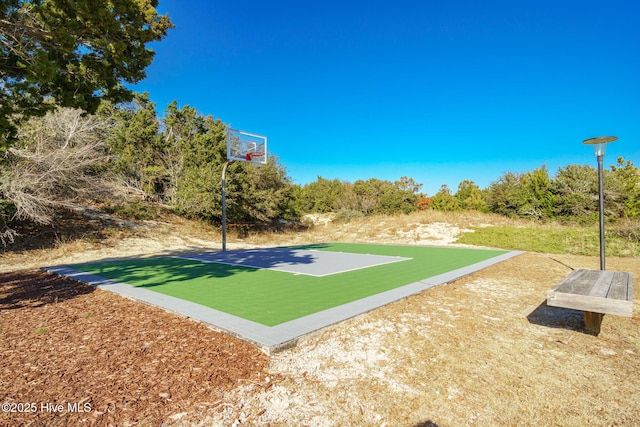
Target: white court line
(295,272)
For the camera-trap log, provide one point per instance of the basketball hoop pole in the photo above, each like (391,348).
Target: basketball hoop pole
(242,147)
(224,205)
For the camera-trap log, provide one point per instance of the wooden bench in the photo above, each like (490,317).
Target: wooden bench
(596,292)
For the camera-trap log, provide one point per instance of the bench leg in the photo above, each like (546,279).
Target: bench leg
(592,322)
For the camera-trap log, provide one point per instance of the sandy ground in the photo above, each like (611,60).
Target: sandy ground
(484,350)
(152,238)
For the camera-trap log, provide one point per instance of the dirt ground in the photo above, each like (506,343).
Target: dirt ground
(483,350)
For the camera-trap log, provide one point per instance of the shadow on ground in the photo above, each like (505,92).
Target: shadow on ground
(557,317)
(37,288)
(65,227)
(158,270)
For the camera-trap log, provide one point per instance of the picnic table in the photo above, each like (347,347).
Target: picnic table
(596,292)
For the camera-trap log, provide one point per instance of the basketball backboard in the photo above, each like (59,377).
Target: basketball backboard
(246,147)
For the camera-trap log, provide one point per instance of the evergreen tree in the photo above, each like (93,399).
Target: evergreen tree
(628,177)
(137,147)
(470,196)
(75,52)
(321,195)
(444,200)
(576,193)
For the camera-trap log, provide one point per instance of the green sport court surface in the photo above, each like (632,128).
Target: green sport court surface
(272,296)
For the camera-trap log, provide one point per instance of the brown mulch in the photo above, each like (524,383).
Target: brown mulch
(108,360)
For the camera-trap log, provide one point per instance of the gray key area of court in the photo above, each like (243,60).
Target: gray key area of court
(296,261)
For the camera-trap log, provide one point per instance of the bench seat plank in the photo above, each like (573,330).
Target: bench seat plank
(596,291)
(577,283)
(602,284)
(621,287)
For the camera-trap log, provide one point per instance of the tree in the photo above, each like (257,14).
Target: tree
(73,52)
(193,152)
(536,198)
(321,195)
(352,205)
(399,197)
(408,184)
(190,153)
(58,163)
(576,193)
(470,196)
(193,155)
(502,194)
(136,145)
(178,160)
(267,194)
(368,194)
(524,195)
(628,177)
(444,200)
(424,202)
(376,196)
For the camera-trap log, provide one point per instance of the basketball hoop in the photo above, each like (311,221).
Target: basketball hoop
(242,147)
(246,147)
(249,157)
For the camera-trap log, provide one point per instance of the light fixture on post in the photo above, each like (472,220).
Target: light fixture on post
(607,292)
(600,147)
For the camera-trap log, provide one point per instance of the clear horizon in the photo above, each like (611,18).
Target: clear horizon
(439,92)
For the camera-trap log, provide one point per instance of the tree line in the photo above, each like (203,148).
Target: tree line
(68,159)
(569,196)
(358,199)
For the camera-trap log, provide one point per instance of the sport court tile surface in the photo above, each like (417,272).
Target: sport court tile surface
(273,308)
(298,261)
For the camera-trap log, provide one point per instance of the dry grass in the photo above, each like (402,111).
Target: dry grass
(401,229)
(484,350)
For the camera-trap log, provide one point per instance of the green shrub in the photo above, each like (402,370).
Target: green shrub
(135,209)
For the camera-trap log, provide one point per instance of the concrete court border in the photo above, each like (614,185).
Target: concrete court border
(272,339)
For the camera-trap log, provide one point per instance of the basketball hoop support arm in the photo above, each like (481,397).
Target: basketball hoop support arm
(224,205)
(242,147)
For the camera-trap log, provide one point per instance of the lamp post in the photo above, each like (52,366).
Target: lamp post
(600,147)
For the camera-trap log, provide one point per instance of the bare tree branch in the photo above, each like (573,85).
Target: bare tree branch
(58,163)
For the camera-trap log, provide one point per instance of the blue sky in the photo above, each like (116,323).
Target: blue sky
(439,91)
